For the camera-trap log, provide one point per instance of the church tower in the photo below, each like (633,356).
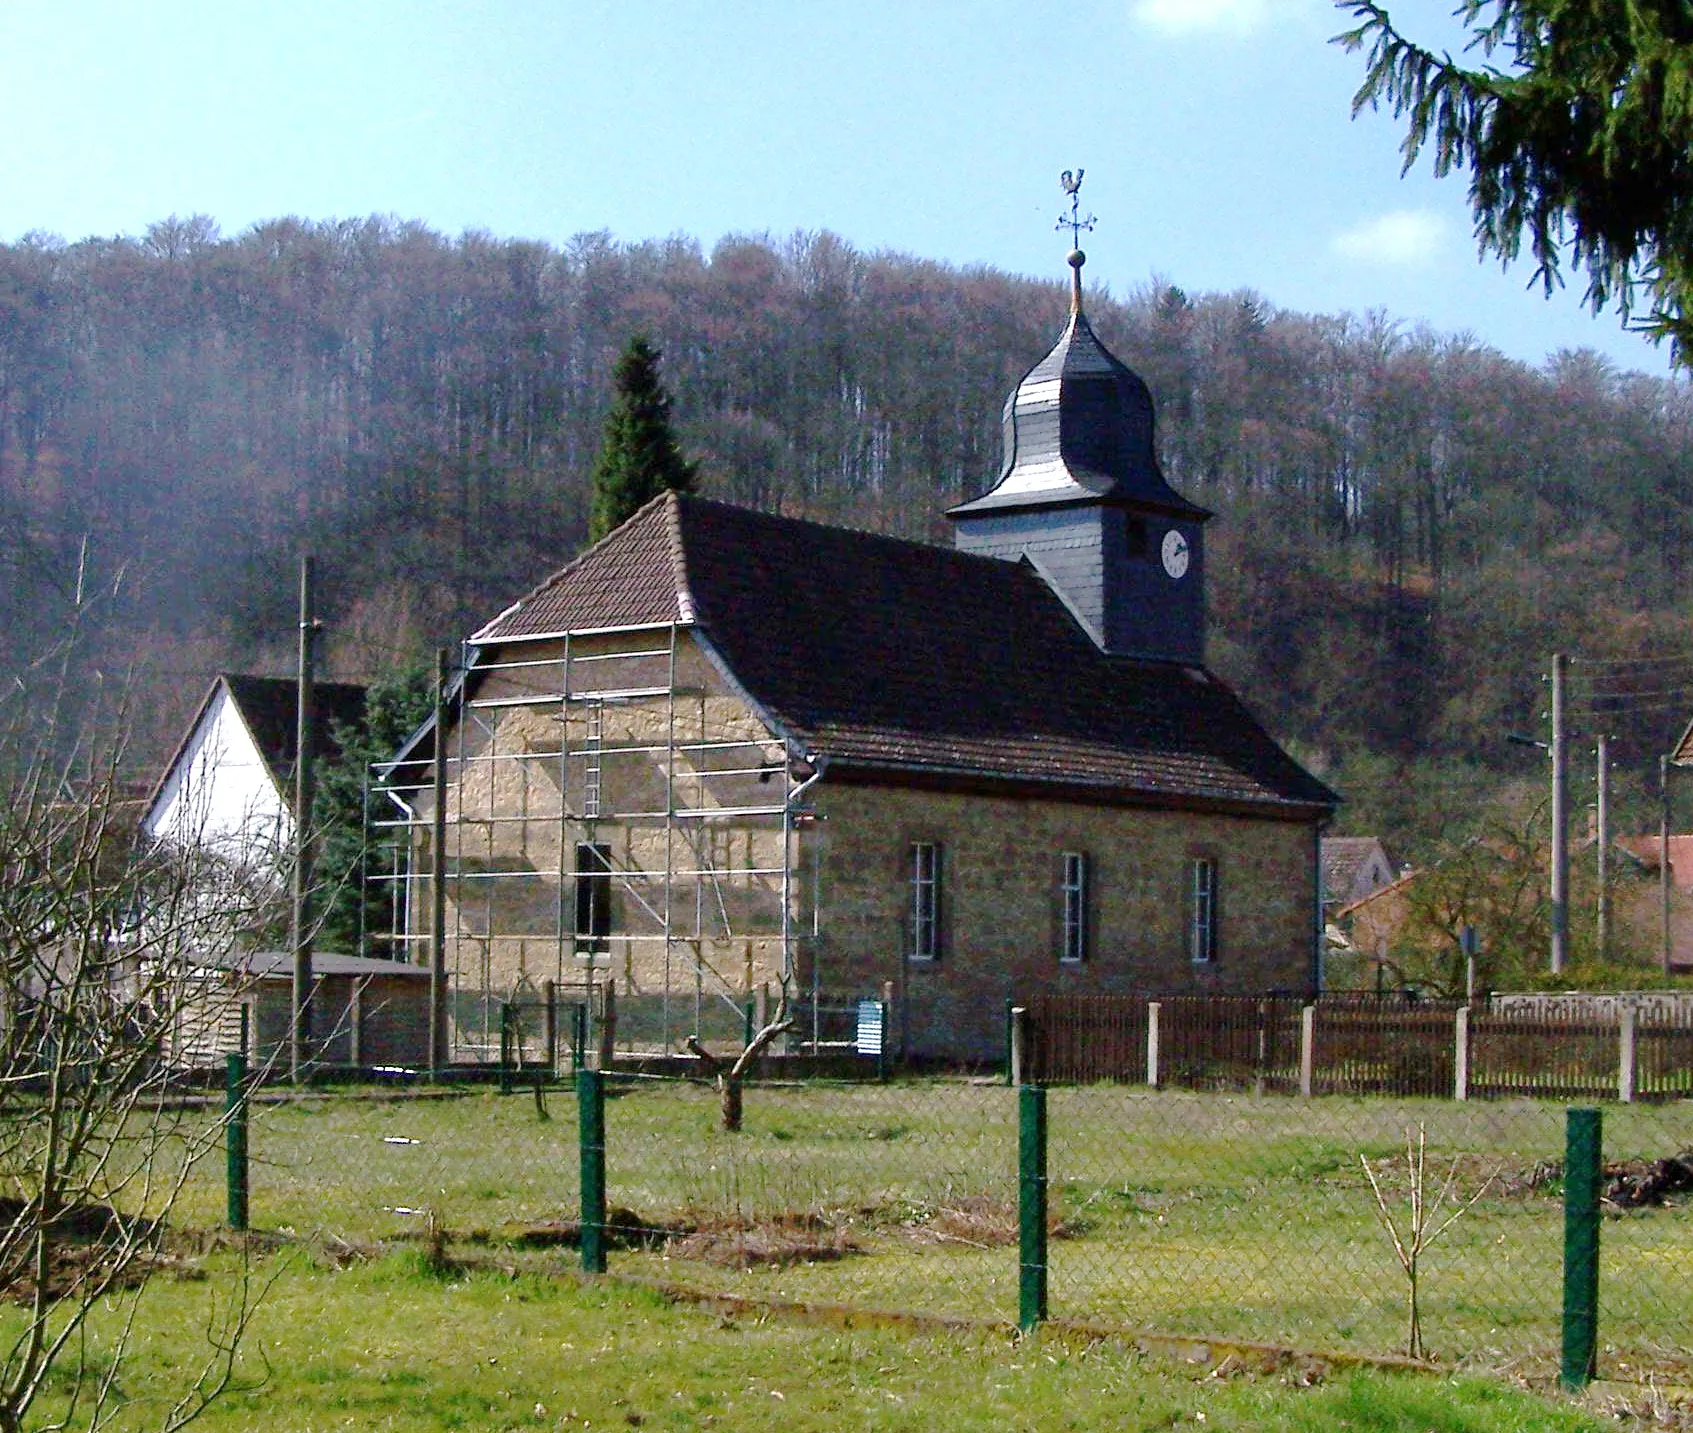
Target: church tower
(1082,497)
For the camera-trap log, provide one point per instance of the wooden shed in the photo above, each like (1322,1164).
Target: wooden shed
(364,1012)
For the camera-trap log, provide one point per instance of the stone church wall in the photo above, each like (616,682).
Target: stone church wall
(1001,907)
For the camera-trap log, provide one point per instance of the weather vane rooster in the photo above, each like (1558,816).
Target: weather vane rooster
(1073,221)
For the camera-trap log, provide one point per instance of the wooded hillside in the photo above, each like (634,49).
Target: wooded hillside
(1409,524)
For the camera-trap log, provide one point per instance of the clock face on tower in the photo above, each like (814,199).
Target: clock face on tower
(1175,553)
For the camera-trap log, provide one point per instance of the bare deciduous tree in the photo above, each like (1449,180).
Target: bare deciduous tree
(105,949)
(1424,1223)
(731,1074)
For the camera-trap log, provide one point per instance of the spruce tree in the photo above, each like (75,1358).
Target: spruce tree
(639,456)
(1575,128)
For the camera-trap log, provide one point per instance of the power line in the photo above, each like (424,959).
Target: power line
(1642,693)
(1684,658)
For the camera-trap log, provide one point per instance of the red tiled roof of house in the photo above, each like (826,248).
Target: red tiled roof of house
(889,655)
(1648,850)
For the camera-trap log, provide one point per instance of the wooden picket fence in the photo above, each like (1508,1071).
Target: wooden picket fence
(1352,1046)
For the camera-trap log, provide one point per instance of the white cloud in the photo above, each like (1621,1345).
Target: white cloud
(1203,17)
(1404,237)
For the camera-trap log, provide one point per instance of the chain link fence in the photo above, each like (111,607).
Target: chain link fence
(1235,1214)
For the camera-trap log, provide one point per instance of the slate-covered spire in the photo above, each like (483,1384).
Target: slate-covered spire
(1081,495)
(1078,428)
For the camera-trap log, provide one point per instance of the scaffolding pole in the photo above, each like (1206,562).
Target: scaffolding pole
(707,777)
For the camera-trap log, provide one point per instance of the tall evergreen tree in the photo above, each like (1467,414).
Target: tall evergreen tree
(639,456)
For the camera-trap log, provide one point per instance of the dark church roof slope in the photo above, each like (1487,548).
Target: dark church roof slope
(886,655)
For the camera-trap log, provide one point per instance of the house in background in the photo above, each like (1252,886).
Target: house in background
(227,786)
(1649,851)
(724,749)
(1353,867)
(1376,926)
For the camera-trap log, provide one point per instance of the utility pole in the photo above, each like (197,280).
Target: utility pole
(1663,856)
(1560,818)
(1603,846)
(300,1028)
(438,879)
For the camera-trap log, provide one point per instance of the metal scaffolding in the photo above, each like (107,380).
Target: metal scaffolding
(608,786)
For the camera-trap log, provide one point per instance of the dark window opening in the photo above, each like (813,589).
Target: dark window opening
(593,897)
(1074,887)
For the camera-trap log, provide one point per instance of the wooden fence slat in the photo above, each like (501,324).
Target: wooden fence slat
(1360,1046)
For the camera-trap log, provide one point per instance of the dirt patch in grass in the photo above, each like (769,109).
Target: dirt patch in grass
(776,1243)
(624,1229)
(978,1221)
(1627,1183)
(86,1241)
(1648,1183)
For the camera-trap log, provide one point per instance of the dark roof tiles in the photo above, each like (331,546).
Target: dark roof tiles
(881,653)
(267,704)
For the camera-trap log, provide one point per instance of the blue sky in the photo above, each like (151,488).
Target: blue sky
(1215,134)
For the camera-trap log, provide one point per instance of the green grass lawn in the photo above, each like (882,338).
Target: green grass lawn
(1196,1213)
(388,1344)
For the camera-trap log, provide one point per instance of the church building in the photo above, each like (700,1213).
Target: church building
(724,749)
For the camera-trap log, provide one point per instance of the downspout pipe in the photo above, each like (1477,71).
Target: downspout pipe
(819,767)
(1319,944)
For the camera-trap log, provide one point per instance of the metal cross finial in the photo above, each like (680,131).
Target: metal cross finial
(1073,221)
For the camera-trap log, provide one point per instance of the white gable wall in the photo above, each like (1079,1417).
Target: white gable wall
(219,793)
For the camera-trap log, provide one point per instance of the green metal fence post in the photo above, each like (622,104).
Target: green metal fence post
(590,1100)
(1581,1247)
(1031,1205)
(882,1045)
(505,1048)
(578,1036)
(235,1138)
(749,1031)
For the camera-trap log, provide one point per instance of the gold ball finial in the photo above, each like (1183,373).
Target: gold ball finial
(1075,223)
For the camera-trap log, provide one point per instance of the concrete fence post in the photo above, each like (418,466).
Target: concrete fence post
(1461,1054)
(355,1022)
(1019,1045)
(1152,1010)
(1307,1049)
(1625,1056)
